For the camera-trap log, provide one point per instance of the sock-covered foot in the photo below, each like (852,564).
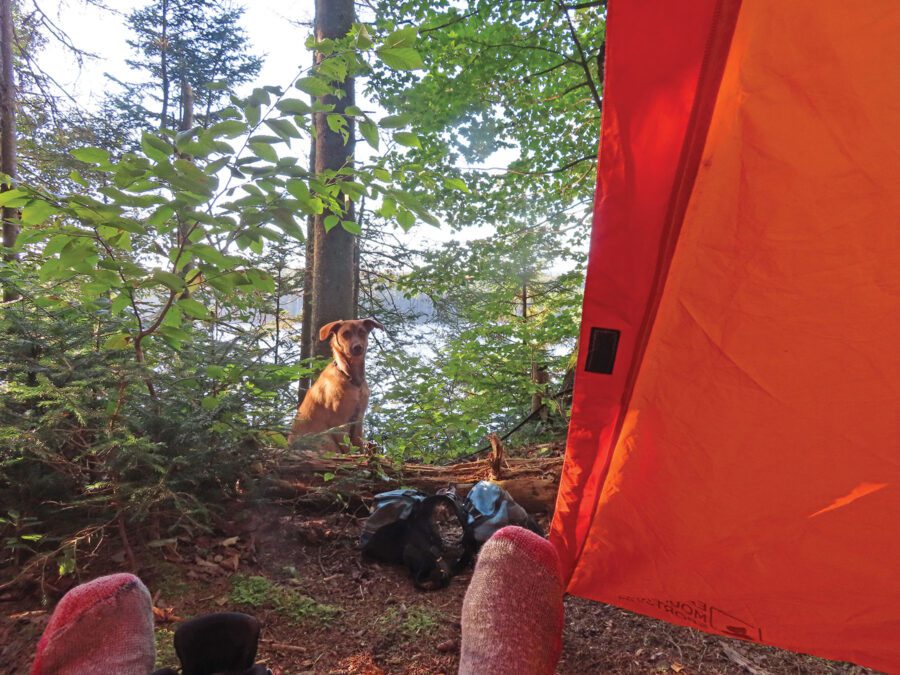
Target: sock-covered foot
(512,617)
(104,626)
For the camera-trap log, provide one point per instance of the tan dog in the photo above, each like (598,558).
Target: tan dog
(339,398)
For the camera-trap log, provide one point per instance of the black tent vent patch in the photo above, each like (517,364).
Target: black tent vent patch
(602,348)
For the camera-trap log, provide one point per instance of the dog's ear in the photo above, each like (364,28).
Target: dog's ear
(372,323)
(329,328)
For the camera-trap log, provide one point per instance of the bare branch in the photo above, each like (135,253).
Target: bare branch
(561,64)
(564,167)
(586,5)
(584,62)
(454,21)
(60,35)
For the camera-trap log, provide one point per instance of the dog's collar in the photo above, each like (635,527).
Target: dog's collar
(350,378)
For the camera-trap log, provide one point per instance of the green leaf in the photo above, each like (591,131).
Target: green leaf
(78,255)
(403,37)
(214,166)
(183,138)
(265,138)
(209,402)
(155,148)
(285,220)
(408,139)
(363,39)
(253,113)
(216,372)
(128,225)
(172,281)
(261,280)
(66,565)
(51,269)
(161,215)
(121,301)
(456,184)
(264,151)
(118,341)
(334,69)
(228,128)
(325,45)
(37,211)
(293,106)
(336,122)
(10,195)
(30,235)
(330,222)
(211,255)
(173,317)
(405,218)
(395,121)
(91,155)
(77,178)
(193,308)
(298,189)
(284,129)
(173,336)
(370,132)
(56,244)
(314,86)
(401,58)
(351,227)
(388,208)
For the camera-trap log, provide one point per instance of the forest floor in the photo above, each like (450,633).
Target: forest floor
(325,610)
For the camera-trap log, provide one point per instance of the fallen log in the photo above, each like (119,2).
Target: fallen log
(321,480)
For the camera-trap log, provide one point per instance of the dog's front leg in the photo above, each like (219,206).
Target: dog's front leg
(356,420)
(356,433)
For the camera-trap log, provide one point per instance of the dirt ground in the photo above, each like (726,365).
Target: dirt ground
(325,610)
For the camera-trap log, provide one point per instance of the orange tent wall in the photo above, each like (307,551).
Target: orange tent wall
(738,471)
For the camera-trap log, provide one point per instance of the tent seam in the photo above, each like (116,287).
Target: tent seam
(716,52)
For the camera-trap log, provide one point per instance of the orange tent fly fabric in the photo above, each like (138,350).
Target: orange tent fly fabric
(733,461)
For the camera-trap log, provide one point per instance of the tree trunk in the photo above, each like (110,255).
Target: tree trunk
(355,293)
(333,268)
(8,131)
(278,292)
(164,65)
(187,107)
(186,122)
(540,377)
(306,332)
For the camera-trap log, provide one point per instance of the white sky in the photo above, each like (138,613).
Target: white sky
(267,22)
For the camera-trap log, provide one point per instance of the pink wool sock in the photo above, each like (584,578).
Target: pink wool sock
(512,617)
(104,626)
